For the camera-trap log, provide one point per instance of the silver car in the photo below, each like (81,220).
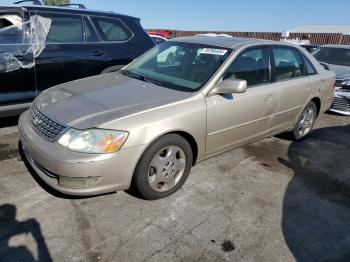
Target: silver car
(149,123)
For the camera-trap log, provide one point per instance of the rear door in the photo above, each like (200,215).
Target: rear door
(17,75)
(115,46)
(294,80)
(64,56)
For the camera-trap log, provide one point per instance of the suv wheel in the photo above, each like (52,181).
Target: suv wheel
(163,167)
(305,122)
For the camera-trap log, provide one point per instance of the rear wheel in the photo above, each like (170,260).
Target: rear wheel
(163,167)
(305,122)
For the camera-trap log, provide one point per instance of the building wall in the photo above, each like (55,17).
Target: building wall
(314,38)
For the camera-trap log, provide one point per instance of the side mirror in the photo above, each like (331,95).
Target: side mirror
(231,86)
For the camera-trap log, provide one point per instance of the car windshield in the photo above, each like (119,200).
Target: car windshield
(336,56)
(183,66)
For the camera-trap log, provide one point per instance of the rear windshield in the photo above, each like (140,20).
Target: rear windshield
(330,55)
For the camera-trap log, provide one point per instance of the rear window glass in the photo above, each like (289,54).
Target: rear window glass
(90,35)
(65,29)
(288,63)
(111,29)
(11,29)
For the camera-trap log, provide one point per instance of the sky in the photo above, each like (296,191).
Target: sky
(227,15)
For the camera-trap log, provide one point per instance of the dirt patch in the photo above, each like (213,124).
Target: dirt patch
(9,149)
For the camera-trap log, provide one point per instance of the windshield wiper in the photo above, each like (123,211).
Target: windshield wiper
(144,78)
(132,75)
(154,81)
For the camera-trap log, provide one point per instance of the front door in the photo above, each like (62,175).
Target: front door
(233,119)
(17,73)
(64,56)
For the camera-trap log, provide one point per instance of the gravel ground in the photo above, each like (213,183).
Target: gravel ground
(273,200)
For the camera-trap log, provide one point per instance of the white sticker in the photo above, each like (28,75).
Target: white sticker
(213,51)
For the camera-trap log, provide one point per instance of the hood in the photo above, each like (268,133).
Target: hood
(93,101)
(342,72)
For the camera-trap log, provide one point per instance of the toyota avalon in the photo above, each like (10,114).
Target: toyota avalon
(149,123)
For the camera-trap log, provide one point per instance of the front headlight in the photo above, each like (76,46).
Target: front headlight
(94,141)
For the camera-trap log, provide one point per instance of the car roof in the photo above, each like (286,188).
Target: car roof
(222,41)
(69,10)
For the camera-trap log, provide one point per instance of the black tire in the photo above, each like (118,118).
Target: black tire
(296,134)
(142,171)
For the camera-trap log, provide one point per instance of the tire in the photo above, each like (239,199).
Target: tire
(305,122)
(164,167)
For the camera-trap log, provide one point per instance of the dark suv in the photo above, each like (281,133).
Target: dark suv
(43,46)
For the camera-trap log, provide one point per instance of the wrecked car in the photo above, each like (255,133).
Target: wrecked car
(337,59)
(43,46)
(146,125)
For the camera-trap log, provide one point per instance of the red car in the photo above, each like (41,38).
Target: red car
(162,32)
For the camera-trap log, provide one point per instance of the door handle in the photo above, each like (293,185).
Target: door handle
(268,97)
(96,53)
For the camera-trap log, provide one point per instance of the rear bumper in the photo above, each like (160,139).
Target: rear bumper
(52,162)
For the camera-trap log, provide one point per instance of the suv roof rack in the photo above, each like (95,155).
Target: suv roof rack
(80,6)
(35,2)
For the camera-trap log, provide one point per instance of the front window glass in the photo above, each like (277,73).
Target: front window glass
(65,29)
(336,56)
(11,29)
(252,66)
(183,66)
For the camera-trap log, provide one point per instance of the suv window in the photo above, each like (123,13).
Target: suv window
(252,66)
(11,29)
(90,34)
(65,29)
(111,30)
(288,63)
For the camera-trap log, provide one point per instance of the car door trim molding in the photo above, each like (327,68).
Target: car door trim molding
(238,126)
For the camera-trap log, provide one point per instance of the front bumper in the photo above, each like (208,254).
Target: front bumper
(341,103)
(52,162)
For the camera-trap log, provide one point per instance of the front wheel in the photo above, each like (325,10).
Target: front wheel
(163,167)
(305,122)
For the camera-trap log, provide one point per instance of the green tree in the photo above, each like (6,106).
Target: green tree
(56,2)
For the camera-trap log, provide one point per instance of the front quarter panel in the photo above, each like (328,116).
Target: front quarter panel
(187,115)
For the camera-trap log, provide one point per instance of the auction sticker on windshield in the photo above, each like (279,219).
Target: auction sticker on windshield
(213,51)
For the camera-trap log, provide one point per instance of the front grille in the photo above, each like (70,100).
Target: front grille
(341,104)
(44,126)
(344,90)
(339,81)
